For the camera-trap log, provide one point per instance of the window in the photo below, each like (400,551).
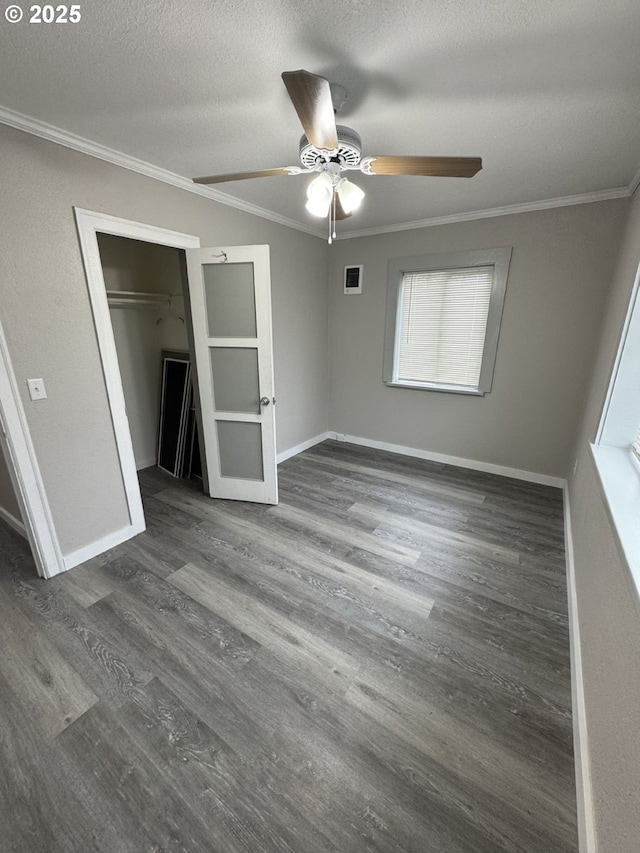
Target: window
(443,319)
(617,445)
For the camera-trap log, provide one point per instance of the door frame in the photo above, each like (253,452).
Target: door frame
(89,225)
(20,456)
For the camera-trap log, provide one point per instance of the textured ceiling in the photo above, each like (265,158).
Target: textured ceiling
(547,92)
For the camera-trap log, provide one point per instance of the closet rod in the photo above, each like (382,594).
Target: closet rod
(135,297)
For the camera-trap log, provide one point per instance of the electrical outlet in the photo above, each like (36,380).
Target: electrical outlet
(37,391)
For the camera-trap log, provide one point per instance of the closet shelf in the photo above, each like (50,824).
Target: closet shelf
(134,297)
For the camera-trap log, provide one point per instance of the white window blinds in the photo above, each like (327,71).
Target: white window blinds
(442,325)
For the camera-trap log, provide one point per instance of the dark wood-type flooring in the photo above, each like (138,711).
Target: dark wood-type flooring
(379,663)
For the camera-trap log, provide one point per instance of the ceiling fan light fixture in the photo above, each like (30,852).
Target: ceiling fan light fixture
(350,196)
(320,195)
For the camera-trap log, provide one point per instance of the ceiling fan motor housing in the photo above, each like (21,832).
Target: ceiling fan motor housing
(348,152)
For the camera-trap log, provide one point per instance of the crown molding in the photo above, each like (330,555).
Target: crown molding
(507,210)
(35,127)
(62,137)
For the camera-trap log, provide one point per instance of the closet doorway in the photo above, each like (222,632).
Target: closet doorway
(144,284)
(226,296)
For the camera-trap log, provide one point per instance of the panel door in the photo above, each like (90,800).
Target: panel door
(230,293)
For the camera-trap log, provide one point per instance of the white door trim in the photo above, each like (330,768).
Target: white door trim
(89,224)
(25,472)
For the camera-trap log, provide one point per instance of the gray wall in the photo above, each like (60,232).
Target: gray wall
(560,268)
(609,619)
(46,316)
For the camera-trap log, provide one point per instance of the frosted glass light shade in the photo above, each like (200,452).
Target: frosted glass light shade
(319,195)
(350,196)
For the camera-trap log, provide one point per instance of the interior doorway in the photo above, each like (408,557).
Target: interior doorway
(23,473)
(145,291)
(90,225)
(227,314)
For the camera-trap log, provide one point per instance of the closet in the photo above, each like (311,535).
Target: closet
(146,304)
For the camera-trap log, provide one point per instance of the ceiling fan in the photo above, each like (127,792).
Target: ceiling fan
(332,149)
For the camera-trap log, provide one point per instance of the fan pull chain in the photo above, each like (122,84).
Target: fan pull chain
(332,226)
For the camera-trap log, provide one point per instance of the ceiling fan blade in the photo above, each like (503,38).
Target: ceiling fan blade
(242,176)
(311,97)
(440,167)
(338,210)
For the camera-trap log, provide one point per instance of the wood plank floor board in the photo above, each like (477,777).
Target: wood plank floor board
(38,812)
(181,613)
(85,587)
(158,515)
(128,791)
(485,521)
(367,743)
(14,549)
(526,658)
(310,491)
(343,621)
(333,667)
(209,518)
(230,796)
(153,480)
(482,820)
(490,579)
(158,552)
(100,650)
(547,498)
(46,686)
(502,709)
(160,637)
(309,523)
(487,763)
(402,494)
(209,690)
(378,664)
(321,579)
(339,775)
(506,622)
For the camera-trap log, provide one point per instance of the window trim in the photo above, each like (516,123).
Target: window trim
(498,258)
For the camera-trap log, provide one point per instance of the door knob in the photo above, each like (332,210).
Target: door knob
(264,401)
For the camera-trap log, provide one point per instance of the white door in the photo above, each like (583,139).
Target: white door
(230,293)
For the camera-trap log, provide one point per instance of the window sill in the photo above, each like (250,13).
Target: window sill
(620,482)
(448,389)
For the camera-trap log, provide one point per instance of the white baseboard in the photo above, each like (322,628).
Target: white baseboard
(75,558)
(584,794)
(14,522)
(146,463)
(293,451)
(473,464)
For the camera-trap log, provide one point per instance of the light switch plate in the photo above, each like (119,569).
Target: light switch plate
(37,391)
